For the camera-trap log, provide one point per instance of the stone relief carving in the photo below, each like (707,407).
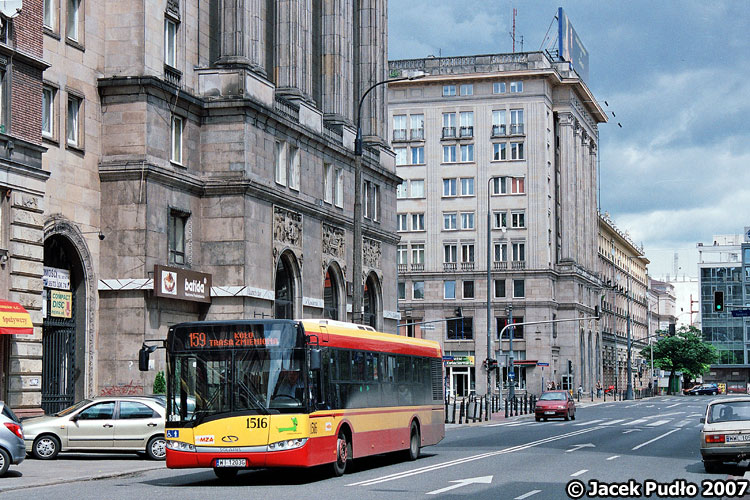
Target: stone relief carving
(333,241)
(371,253)
(287,227)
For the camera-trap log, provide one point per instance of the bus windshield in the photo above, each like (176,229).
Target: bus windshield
(236,369)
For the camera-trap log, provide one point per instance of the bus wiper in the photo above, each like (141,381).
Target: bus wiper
(255,399)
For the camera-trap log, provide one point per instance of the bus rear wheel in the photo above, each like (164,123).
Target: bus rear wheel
(225,472)
(343,454)
(414,443)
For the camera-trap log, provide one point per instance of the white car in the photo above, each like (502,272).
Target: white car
(122,424)
(726,432)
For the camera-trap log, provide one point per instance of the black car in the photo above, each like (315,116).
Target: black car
(711,389)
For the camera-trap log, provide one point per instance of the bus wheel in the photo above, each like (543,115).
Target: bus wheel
(225,472)
(343,451)
(414,442)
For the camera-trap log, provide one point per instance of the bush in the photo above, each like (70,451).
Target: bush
(160,383)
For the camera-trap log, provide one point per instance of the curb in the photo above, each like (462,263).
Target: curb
(57,481)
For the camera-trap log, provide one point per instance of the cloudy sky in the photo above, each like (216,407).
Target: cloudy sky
(677,75)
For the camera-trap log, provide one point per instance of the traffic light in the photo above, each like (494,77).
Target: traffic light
(596,311)
(718,301)
(490,364)
(672,330)
(570,367)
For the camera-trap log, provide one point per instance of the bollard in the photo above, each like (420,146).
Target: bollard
(453,420)
(592,395)
(474,416)
(461,413)
(506,407)
(525,405)
(446,412)
(533,403)
(579,396)
(515,403)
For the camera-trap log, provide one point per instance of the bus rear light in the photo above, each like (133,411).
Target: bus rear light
(180,446)
(289,444)
(714,438)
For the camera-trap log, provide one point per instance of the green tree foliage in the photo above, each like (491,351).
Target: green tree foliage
(686,352)
(160,383)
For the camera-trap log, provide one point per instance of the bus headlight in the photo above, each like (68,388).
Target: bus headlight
(289,444)
(180,446)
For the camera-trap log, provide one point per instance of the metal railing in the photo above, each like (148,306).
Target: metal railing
(449,132)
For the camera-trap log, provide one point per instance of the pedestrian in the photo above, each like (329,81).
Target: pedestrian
(599,388)
(580,391)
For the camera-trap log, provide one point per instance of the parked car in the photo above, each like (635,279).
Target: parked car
(12,449)
(554,404)
(711,389)
(726,432)
(123,423)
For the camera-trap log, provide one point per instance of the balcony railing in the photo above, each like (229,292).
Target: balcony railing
(402,268)
(172,75)
(467,266)
(449,266)
(519,264)
(516,128)
(500,265)
(449,132)
(466,131)
(417,267)
(399,134)
(498,131)
(417,134)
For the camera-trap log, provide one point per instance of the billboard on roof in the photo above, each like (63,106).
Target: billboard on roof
(570,47)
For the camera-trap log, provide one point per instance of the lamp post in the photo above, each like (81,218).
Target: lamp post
(629,393)
(489,284)
(357,247)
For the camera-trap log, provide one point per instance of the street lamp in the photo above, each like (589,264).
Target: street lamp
(489,283)
(357,250)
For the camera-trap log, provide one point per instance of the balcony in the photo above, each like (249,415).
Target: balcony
(499,131)
(399,134)
(467,266)
(449,266)
(417,267)
(449,132)
(466,131)
(516,129)
(417,134)
(519,264)
(500,265)
(402,268)
(172,75)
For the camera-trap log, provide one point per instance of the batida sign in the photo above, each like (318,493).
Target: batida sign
(181,284)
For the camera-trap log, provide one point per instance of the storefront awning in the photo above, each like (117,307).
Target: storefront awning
(14,319)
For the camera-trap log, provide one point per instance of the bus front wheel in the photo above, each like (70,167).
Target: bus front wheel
(343,454)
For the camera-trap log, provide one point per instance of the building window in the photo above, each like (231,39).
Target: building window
(327,173)
(449,125)
(48,112)
(449,154)
(516,121)
(401,290)
(449,90)
(73,130)
(500,220)
(508,185)
(176,138)
(401,190)
(402,254)
(467,89)
(170,43)
(517,330)
(281,165)
(517,220)
(417,188)
(375,204)
(403,222)
(450,252)
(177,228)
(498,123)
(499,151)
(499,289)
(418,290)
(460,329)
(467,220)
(366,201)
(519,252)
(467,252)
(449,289)
(516,87)
(400,156)
(71,28)
(50,14)
(339,193)
(519,289)
(468,290)
(417,127)
(467,186)
(467,152)
(498,88)
(417,254)
(417,155)
(294,173)
(467,124)
(449,187)
(516,151)
(449,221)
(417,222)
(501,252)
(399,127)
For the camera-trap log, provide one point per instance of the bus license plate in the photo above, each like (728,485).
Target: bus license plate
(231,462)
(737,438)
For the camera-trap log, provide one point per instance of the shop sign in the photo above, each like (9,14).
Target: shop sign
(460,361)
(56,278)
(60,304)
(182,284)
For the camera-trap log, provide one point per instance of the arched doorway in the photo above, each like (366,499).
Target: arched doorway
(371,301)
(287,273)
(63,326)
(332,293)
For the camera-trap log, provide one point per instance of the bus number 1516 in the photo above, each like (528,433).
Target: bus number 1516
(257,423)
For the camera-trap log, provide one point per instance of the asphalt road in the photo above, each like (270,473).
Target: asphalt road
(655,439)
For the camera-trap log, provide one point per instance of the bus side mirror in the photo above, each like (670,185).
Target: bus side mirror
(143,355)
(316,360)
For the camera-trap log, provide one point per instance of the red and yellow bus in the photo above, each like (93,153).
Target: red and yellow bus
(283,393)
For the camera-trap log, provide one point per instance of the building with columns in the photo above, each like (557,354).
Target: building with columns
(512,136)
(206,143)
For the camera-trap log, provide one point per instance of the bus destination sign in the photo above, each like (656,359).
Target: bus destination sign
(213,339)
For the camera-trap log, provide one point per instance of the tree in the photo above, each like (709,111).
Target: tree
(686,352)
(160,383)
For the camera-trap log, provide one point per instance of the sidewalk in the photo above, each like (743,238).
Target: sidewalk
(74,467)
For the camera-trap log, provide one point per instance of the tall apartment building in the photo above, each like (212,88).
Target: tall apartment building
(624,307)
(202,158)
(724,273)
(513,136)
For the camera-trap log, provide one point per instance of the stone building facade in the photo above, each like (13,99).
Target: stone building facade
(208,137)
(513,136)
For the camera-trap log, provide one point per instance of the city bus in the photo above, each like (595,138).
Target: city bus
(288,393)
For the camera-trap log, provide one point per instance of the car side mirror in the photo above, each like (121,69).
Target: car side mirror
(703,420)
(74,418)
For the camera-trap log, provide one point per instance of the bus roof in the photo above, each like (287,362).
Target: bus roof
(353,336)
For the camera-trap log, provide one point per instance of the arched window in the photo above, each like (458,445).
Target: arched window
(284,288)
(331,295)
(370,300)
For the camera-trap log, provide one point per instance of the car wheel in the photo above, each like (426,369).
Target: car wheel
(343,451)
(544,418)
(711,465)
(714,393)
(46,447)
(414,443)
(157,448)
(225,472)
(4,462)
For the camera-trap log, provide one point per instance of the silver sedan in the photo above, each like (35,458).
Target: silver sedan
(726,432)
(101,424)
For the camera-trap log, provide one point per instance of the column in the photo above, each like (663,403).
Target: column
(294,48)
(242,34)
(371,67)
(567,186)
(337,64)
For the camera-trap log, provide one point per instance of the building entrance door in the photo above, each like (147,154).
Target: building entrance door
(460,382)
(58,362)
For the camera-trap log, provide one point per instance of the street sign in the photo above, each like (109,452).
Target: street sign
(542,364)
(511,375)
(427,327)
(741,313)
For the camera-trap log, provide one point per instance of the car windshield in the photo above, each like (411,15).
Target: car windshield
(71,409)
(728,412)
(552,396)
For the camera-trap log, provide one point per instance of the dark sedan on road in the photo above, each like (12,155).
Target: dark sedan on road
(711,389)
(555,404)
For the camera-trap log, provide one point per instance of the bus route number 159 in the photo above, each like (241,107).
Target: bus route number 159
(257,423)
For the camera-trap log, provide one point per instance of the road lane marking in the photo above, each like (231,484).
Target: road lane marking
(672,406)
(613,457)
(613,422)
(659,422)
(527,495)
(655,439)
(459,461)
(590,422)
(638,421)
(580,472)
(463,482)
